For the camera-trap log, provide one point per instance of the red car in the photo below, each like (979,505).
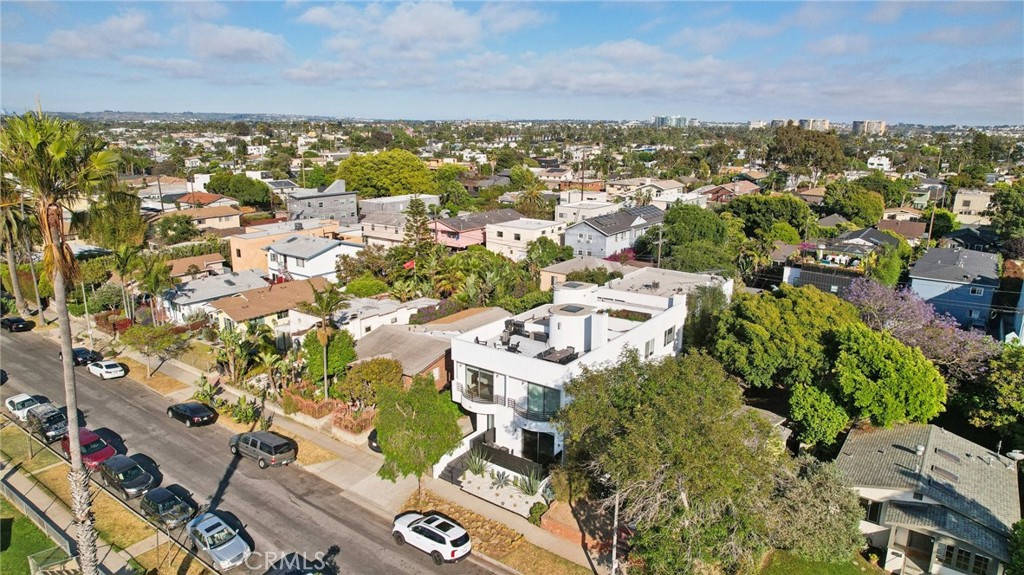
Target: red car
(94,449)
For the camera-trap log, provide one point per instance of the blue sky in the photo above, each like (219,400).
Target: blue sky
(923,62)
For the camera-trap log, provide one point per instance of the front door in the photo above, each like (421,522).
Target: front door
(919,551)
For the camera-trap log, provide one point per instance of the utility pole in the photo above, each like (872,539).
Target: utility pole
(931,226)
(615,533)
(660,228)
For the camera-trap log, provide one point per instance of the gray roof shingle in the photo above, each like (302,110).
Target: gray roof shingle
(957,265)
(609,224)
(964,477)
(304,247)
(415,351)
(477,220)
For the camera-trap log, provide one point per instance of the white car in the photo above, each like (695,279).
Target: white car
(106,369)
(20,404)
(217,541)
(444,539)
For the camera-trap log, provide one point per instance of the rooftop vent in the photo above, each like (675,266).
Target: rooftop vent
(919,449)
(949,456)
(945,474)
(572,308)
(298,226)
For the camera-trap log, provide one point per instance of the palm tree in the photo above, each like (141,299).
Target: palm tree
(325,303)
(273,363)
(12,229)
(154,276)
(531,201)
(56,162)
(124,264)
(235,353)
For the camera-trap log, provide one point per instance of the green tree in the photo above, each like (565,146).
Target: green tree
(945,221)
(814,513)
(704,304)
(1016,546)
(325,304)
(820,418)
(160,342)
(154,276)
(854,203)
(175,229)
(690,473)
(389,173)
(115,220)
(878,377)
(1007,210)
(542,252)
(125,260)
(365,286)
(763,212)
(781,337)
(888,268)
(58,163)
(997,401)
(418,236)
(340,350)
(234,352)
(783,232)
(817,152)
(364,380)
(14,225)
(415,427)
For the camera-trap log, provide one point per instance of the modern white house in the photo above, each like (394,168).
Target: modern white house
(570,213)
(305,257)
(666,201)
(187,298)
(395,204)
(509,374)
(364,315)
(879,163)
(511,238)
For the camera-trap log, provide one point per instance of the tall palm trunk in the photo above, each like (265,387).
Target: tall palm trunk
(85,530)
(326,397)
(12,267)
(35,280)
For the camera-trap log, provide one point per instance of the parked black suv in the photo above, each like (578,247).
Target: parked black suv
(82,356)
(47,422)
(121,473)
(163,507)
(13,324)
(266,447)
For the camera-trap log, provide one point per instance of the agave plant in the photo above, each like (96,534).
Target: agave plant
(477,462)
(500,479)
(528,484)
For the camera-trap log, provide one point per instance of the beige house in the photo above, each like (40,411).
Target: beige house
(555,273)
(195,267)
(902,214)
(511,238)
(247,249)
(571,213)
(383,228)
(652,187)
(265,306)
(218,218)
(970,205)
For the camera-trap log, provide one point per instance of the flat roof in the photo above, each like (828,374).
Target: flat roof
(528,224)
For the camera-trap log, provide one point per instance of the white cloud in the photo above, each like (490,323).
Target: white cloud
(320,72)
(629,52)
(235,43)
(173,67)
(505,17)
(430,27)
(22,55)
(200,11)
(840,45)
(129,30)
(719,37)
(887,12)
(964,36)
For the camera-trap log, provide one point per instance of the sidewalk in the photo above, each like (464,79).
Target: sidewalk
(355,470)
(111,562)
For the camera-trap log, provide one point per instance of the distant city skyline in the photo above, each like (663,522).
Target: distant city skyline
(902,62)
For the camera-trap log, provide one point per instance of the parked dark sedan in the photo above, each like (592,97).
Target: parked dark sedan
(13,324)
(372,442)
(121,473)
(82,356)
(163,507)
(192,413)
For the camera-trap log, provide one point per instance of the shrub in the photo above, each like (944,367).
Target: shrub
(365,286)
(477,462)
(245,410)
(566,484)
(288,404)
(266,422)
(205,392)
(443,309)
(537,511)
(528,484)
(75,309)
(500,479)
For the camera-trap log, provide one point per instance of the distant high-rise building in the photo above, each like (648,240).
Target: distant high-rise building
(781,123)
(869,127)
(818,125)
(754,124)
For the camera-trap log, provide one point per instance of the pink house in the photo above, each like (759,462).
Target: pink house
(467,229)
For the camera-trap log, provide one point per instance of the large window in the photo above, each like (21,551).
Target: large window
(542,401)
(962,559)
(538,447)
(479,383)
(872,510)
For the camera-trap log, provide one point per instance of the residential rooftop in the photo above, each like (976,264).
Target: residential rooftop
(214,287)
(528,224)
(274,229)
(179,267)
(264,301)
(661,282)
(957,265)
(305,247)
(415,351)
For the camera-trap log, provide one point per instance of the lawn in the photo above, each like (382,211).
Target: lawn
(199,355)
(785,563)
(19,538)
(160,383)
(170,563)
(115,524)
(14,443)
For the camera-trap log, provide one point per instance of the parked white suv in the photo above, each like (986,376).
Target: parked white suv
(442,538)
(20,404)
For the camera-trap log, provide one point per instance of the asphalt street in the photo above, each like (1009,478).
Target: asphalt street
(283,510)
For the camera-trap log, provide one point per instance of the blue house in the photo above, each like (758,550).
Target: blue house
(959,282)
(603,236)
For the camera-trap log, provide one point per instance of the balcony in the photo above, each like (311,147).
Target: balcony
(523,410)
